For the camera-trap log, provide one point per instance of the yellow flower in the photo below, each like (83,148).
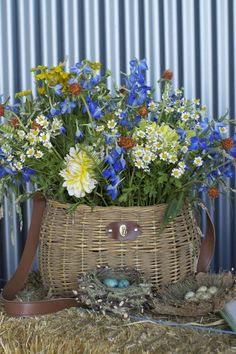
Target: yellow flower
(78,173)
(41,76)
(23,93)
(41,90)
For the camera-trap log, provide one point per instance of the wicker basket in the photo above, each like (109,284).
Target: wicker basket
(71,244)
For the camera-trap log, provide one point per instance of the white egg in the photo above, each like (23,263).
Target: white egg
(189,295)
(202,289)
(212,290)
(203,296)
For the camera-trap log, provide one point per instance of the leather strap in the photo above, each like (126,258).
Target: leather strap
(207,246)
(15,284)
(15,307)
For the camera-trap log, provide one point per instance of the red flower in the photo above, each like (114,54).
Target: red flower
(75,89)
(1,110)
(35,126)
(143,111)
(213,192)
(167,74)
(126,142)
(14,121)
(227,143)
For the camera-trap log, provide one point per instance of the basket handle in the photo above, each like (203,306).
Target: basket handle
(207,246)
(15,284)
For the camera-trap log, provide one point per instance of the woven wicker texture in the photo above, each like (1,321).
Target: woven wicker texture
(73,243)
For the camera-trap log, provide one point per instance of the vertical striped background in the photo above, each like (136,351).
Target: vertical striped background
(194,38)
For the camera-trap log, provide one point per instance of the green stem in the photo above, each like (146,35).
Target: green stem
(88,111)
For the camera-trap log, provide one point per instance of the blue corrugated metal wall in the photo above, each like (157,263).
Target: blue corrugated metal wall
(195,38)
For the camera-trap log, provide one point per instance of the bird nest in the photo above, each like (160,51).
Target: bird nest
(173,299)
(93,293)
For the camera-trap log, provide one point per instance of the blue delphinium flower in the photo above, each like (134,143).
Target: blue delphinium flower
(57,89)
(67,106)
(26,173)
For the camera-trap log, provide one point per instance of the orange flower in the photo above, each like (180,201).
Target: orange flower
(227,143)
(167,74)
(126,142)
(143,111)
(14,121)
(213,192)
(1,110)
(75,89)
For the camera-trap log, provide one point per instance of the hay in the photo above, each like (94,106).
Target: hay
(82,331)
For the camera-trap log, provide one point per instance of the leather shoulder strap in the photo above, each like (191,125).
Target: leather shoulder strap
(207,246)
(15,284)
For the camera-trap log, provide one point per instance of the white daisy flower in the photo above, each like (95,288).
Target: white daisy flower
(18,165)
(177,172)
(223,130)
(172,158)
(38,154)
(118,114)
(198,161)
(22,158)
(184,149)
(41,119)
(44,137)
(164,155)
(141,134)
(185,116)
(47,145)
(181,110)
(56,124)
(152,106)
(147,158)
(21,134)
(139,163)
(169,109)
(9,158)
(111,124)
(30,152)
(196,101)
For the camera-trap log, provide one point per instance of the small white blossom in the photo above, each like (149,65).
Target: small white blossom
(177,172)
(22,158)
(9,158)
(169,109)
(118,114)
(223,130)
(196,101)
(172,158)
(30,152)
(18,165)
(185,116)
(38,154)
(181,109)
(198,161)
(48,145)
(21,134)
(152,106)
(41,120)
(44,137)
(164,155)
(111,124)
(139,163)
(141,134)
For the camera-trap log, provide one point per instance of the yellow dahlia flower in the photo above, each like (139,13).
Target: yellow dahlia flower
(78,173)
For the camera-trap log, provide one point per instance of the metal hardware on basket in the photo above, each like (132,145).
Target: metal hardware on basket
(123,230)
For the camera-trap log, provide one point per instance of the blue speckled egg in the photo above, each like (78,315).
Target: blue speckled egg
(123,283)
(112,283)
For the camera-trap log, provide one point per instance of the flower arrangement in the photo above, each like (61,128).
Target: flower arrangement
(82,143)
